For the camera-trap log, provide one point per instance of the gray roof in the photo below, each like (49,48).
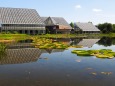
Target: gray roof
(19,16)
(56,20)
(86,26)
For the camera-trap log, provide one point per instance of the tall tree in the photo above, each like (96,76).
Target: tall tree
(72,25)
(105,27)
(113,26)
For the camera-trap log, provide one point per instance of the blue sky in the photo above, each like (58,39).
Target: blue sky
(96,11)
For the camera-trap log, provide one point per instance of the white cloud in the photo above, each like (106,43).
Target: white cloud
(78,6)
(97,10)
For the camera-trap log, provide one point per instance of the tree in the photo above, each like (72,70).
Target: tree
(106,41)
(113,26)
(72,25)
(105,27)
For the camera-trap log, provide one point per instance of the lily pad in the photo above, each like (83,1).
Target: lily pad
(105,56)
(103,53)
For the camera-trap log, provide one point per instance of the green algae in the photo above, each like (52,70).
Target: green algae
(43,43)
(103,53)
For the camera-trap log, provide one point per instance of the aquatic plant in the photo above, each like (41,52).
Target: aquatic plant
(103,53)
(43,43)
(2,48)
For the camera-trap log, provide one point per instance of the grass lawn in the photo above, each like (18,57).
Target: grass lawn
(13,36)
(24,36)
(58,36)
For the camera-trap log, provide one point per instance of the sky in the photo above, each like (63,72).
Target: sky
(95,11)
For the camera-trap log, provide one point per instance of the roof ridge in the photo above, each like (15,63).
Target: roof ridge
(17,8)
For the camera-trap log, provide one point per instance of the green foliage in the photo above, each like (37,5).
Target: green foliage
(106,41)
(2,50)
(2,47)
(43,43)
(72,24)
(105,27)
(113,27)
(15,32)
(103,53)
(13,36)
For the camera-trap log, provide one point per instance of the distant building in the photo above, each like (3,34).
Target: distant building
(56,25)
(86,28)
(21,20)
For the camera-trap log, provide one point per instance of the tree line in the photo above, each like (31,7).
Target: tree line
(106,27)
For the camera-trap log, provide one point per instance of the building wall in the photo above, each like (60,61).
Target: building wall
(23,28)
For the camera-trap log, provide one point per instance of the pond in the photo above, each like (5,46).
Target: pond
(25,65)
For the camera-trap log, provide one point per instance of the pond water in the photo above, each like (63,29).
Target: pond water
(24,65)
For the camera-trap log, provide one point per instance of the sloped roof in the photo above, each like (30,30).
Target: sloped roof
(86,26)
(19,16)
(50,21)
(57,20)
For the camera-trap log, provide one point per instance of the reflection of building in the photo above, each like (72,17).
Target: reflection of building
(20,45)
(24,55)
(56,25)
(21,20)
(75,41)
(88,42)
(64,40)
(86,28)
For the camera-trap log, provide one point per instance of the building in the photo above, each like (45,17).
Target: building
(21,20)
(56,25)
(86,28)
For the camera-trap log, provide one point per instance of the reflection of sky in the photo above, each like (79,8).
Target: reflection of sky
(96,46)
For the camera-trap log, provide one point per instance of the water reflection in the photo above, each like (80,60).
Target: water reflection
(88,42)
(106,41)
(25,52)
(61,69)
(24,55)
(15,56)
(79,41)
(2,50)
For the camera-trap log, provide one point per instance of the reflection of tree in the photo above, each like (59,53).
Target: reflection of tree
(106,41)
(113,41)
(76,41)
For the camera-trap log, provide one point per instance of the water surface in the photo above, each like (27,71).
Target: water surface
(24,65)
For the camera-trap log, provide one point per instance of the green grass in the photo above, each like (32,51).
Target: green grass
(57,36)
(24,36)
(75,35)
(13,36)
(100,35)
